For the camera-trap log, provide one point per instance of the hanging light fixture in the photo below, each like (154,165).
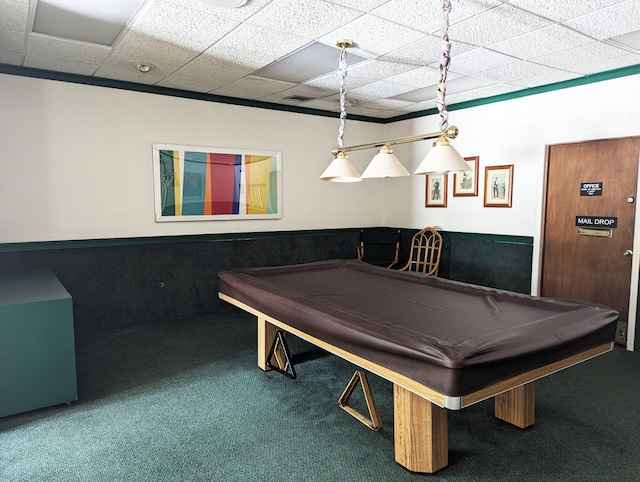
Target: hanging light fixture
(341,169)
(442,158)
(385,164)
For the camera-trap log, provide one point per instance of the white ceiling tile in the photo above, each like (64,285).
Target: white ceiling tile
(236,93)
(541,42)
(495,25)
(10,58)
(253,46)
(332,82)
(64,49)
(560,11)
(610,64)
(479,60)
(378,70)
(12,40)
(420,77)
(177,26)
(382,88)
(130,74)
(187,85)
(14,15)
(363,5)
(608,22)
(364,111)
(574,59)
(58,65)
(312,19)
(373,36)
(550,78)
(517,70)
(240,14)
(485,92)
(419,106)
(425,16)
(259,85)
(155,49)
(206,68)
(386,104)
(199,48)
(425,51)
(321,105)
(129,61)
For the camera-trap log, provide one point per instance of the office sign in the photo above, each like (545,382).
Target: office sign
(591,189)
(597,221)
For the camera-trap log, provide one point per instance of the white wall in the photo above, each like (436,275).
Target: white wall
(512,132)
(76,162)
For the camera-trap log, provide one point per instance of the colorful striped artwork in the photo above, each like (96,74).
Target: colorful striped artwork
(194,183)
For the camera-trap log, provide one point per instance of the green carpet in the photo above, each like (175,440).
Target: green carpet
(186,402)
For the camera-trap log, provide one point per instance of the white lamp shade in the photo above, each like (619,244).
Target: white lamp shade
(341,170)
(385,164)
(442,158)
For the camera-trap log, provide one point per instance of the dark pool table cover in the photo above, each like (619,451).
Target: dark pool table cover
(453,337)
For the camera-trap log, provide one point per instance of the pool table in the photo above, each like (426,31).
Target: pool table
(443,344)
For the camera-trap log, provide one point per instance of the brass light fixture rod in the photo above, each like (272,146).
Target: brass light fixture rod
(451,132)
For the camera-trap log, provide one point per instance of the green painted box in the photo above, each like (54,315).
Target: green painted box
(37,346)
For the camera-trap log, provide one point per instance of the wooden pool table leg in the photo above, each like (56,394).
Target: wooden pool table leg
(420,432)
(266,334)
(518,405)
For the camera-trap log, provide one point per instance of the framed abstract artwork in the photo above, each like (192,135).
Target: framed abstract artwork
(194,183)
(466,183)
(498,182)
(436,195)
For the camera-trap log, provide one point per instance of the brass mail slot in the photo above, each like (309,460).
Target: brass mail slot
(601,233)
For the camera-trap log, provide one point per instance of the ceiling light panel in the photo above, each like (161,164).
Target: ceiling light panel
(93,22)
(316,60)
(631,40)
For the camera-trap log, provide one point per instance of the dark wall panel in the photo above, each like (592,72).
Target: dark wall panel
(121,283)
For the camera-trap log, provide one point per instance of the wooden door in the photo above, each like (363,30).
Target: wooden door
(590,267)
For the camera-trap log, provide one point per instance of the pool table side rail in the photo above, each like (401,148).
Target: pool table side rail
(444,401)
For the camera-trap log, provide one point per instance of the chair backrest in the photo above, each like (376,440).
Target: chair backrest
(379,246)
(425,252)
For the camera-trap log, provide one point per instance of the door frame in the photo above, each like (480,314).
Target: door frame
(536,275)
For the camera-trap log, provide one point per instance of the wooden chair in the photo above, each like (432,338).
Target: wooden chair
(379,246)
(424,256)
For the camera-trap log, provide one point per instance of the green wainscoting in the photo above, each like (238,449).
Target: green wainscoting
(139,281)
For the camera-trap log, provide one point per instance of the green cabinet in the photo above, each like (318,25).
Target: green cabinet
(37,347)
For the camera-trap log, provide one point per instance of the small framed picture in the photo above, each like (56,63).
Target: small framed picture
(436,195)
(498,182)
(466,183)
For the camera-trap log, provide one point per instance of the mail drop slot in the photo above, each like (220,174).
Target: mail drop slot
(600,233)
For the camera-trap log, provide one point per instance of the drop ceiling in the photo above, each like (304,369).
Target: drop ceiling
(283,52)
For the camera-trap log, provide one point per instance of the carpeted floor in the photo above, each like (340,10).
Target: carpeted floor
(186,402)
